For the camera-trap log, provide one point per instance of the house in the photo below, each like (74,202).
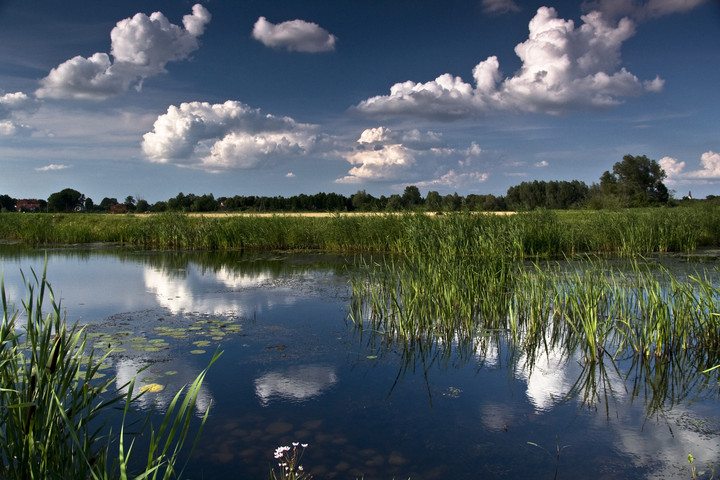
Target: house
(118,208)
(27,206)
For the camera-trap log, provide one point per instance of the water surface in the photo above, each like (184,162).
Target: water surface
(294,370)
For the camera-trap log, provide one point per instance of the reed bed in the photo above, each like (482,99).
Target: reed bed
(531,234)
(54,410)
(585,306)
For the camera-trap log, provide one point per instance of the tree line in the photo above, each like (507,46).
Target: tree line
(636,181)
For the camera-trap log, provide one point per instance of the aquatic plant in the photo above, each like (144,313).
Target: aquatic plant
(585,305)
(55,410)
(289,467)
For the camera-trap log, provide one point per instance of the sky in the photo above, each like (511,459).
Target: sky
(152,98)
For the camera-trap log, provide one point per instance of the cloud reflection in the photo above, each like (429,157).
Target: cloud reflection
(214,292)
(127,368)
(298,383)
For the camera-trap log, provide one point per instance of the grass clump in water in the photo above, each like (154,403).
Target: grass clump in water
(55,406)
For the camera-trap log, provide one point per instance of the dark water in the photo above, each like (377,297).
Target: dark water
(294,370)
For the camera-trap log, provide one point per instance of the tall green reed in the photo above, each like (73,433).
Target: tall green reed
(587,306)
(54,411)
(531,234)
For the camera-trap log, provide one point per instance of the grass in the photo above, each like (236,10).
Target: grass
(532,234)
(55,412)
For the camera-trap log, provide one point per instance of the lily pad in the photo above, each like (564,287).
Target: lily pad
(152,388)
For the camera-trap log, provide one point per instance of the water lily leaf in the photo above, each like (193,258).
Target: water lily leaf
(197,352)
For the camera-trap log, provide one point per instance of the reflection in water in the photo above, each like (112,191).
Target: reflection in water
(298,383)
(146,373)
(358,402)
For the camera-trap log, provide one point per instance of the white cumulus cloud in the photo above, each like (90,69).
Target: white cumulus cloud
(564,69)
(384,155)
(294,35)
(224,136)
(141,47)
(709,168)
(9,128)
(13,105)
(389,162)
(373,135)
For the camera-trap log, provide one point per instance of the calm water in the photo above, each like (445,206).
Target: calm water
(294,370)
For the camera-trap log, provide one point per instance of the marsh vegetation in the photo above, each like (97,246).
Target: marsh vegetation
(528,234)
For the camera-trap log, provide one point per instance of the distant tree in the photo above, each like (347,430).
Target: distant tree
(204,203)
(433,201)
(484,203)
(7,203)
(361,200)
(142,206)
(129,203)
(394,203)
(106,203)
(89,204)
(411,197)
(66,200)
(452,203)
(334,202)
(637,180)
(159,207)
(551,195)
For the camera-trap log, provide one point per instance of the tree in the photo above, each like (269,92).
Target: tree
(433,201)
(411,197)
(142,206)
(7,203)
(394,203)
(130,203)
(106,203)
(66,200)
(637,180)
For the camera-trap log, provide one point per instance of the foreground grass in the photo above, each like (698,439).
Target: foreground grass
(54,412)
(538,233)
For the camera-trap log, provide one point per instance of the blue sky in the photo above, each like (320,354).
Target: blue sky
(154,98)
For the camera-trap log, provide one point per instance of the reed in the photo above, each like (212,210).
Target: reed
(587,305)
(54,411)
(531,234)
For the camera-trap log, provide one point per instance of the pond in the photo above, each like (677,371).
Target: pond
(295,370)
